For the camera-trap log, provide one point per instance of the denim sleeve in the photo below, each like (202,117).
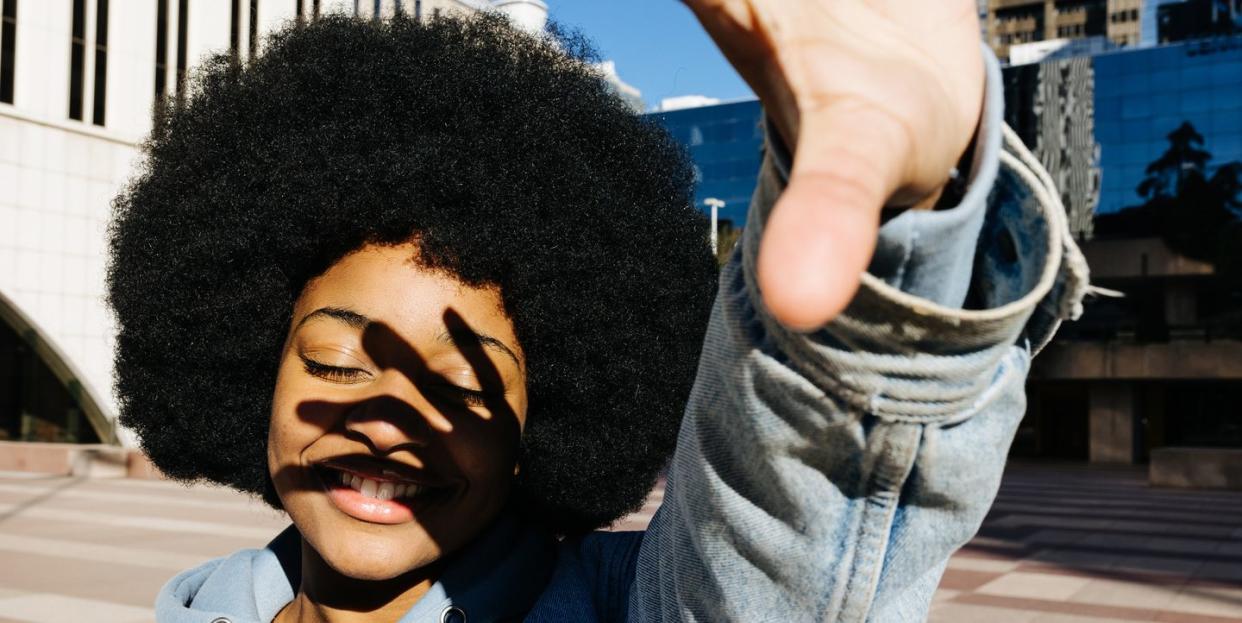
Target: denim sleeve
(828,476)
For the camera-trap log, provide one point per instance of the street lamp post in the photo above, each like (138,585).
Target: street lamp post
(715,205)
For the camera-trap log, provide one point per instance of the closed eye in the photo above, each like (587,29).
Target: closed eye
(334,374)
(469,397)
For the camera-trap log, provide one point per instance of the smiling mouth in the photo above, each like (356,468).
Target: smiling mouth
(370,491)
(379,490)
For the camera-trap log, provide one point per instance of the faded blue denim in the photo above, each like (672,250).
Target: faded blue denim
(817,477)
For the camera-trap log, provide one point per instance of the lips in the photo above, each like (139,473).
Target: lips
(378,490)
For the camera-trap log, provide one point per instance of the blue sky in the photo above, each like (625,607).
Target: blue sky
(658,45)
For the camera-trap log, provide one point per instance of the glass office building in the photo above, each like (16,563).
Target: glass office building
(1095,122)
(726,143)
(1142,96)
(1146,148)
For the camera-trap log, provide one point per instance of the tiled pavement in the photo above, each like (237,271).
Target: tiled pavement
(1064,545)
(1075,545)
(74,550)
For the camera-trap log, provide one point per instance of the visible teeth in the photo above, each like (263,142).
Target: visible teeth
(386,490)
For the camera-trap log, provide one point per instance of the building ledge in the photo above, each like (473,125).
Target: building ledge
(1064,360)
(1122,258)
(68,125)
(1196,468)
(70,459)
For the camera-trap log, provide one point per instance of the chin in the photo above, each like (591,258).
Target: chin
(377,559)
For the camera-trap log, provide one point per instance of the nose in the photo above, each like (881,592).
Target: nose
(394,417)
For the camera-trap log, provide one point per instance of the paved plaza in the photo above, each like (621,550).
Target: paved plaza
(1061,545)
(1094,546)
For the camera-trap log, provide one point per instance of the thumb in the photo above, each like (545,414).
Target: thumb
(822,232)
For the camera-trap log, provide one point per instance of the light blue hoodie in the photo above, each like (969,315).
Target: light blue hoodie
(817,477)
(500,576)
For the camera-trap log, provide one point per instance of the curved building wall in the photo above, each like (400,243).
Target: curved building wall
(43,395)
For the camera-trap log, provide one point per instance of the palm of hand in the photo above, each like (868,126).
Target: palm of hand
(878,99)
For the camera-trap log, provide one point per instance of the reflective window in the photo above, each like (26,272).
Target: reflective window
(724,141)
(1142,96)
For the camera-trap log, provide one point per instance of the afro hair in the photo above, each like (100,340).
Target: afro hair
(513,165)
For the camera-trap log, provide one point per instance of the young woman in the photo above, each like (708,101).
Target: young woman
(434,292)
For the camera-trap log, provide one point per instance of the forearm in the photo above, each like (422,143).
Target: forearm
(829,475)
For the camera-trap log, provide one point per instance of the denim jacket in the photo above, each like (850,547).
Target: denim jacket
(823,476)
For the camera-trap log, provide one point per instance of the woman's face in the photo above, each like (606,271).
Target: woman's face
(398,409)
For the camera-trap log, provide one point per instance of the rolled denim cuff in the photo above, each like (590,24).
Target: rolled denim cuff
(949,291)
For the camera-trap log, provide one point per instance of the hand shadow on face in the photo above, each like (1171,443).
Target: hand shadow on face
(429,436)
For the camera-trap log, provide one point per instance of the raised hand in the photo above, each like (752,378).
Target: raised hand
(878,99)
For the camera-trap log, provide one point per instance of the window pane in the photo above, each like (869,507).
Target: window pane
(254,27)
(183,17)
(8,44)
(161,48)
(77,59)
(101,62)
(101,22)
(101,87)
(235,27)
(79,19)
(76,62)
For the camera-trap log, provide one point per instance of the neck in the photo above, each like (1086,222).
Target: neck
(327,596)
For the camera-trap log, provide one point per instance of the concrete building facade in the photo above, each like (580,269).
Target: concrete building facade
(79,80)
(1015,22)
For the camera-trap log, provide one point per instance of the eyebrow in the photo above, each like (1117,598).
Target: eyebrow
(360,321)
(347,316)
(486,341)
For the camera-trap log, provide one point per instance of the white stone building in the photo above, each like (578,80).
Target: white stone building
(78,82)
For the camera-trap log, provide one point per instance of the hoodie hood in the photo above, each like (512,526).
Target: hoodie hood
(250,586)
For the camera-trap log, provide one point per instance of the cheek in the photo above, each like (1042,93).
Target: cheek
(296,408)
(488,448)
(296,421)
(291,434)
(282,425)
